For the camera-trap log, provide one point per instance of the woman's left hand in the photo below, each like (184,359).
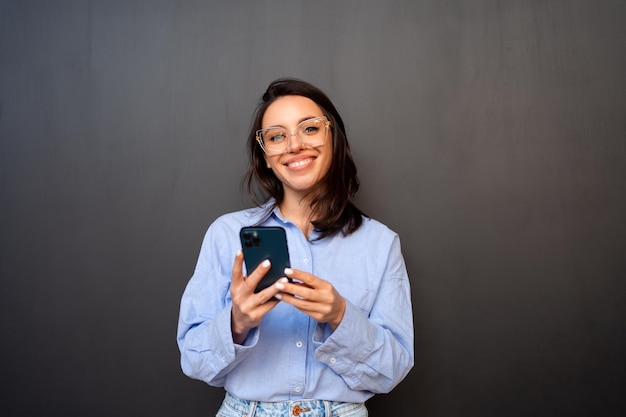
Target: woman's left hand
(313,296)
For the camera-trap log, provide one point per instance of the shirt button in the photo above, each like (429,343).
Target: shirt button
(298,389)
(333,360)
(299,344)
(305,260)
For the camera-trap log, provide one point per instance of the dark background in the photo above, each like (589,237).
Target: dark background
(491,135)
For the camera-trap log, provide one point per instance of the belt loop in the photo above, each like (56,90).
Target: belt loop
(329,410)
(252,410)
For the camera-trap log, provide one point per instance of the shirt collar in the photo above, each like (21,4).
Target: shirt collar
(270,209)
(260,214)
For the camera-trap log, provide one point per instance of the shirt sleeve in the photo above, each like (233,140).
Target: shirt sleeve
(374,352)
(204,334)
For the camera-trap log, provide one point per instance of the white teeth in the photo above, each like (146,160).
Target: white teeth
(301,163)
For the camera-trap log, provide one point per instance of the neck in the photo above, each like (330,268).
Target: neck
(299,212)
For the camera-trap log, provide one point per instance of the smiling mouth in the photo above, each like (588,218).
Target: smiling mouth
(300,163)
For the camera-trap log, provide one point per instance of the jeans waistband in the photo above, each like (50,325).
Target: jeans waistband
(296,408)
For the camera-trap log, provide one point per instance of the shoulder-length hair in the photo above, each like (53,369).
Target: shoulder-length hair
(333,209)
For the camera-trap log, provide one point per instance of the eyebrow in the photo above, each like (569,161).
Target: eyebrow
(299,121)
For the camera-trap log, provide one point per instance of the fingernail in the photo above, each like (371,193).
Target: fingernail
(280,286)
(239,253)
(279,296)
(266,263)
(288,271)
(284,280)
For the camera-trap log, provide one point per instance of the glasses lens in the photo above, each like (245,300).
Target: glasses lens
(312,132)
(274,140)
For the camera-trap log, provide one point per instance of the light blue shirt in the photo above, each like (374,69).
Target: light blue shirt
(290,356)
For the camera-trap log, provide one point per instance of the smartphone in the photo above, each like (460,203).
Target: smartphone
(261,243)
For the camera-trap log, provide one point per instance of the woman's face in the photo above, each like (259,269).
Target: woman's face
(300,168)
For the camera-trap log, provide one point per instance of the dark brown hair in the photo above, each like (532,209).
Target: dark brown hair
(331,198)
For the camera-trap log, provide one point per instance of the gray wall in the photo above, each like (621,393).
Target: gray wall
(489,134)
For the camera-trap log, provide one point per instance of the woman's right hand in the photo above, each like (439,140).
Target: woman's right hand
(248,307)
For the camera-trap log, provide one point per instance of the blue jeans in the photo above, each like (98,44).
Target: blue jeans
(236,407)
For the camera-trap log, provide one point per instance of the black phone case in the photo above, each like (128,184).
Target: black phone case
(261,243)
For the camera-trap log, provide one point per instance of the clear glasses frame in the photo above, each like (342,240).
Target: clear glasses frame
(277,140)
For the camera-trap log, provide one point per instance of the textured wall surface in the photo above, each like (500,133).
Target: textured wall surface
(489,134)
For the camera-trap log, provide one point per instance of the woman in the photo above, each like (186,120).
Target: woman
(341,329)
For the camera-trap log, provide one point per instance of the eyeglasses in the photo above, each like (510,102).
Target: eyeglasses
(311,133)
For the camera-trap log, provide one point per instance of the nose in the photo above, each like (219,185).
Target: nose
(294,144)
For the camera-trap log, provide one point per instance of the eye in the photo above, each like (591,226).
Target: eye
(279,137)
(311,128)
(274,136)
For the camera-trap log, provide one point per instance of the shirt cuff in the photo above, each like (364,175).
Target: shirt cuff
(344,347)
